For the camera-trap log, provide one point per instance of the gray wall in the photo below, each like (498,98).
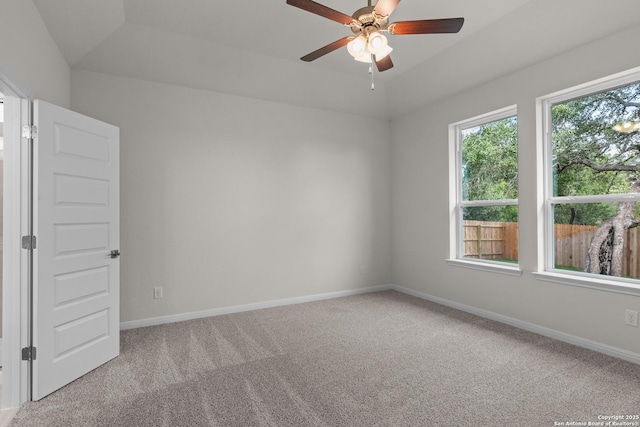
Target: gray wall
(29,56)
(228,200)
(420,214)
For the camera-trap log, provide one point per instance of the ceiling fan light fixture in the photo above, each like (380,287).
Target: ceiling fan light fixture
(357,47)
(384,53)
(365,57)
(377,43)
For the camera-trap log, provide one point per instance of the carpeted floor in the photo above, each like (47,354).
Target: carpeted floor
(381,359)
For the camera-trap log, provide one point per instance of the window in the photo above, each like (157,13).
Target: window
(592,184)
(484,191)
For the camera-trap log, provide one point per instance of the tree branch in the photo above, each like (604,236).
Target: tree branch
(622,101)
(602,168)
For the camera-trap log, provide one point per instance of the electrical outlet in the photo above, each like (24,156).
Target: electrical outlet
(157,292)
(631,318)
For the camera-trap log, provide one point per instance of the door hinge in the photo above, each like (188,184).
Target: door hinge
(28,242)
(29,131)
(29,353)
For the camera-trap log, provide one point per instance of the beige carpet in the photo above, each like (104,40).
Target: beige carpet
(382,359)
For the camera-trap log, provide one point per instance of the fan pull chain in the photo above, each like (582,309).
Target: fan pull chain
(371,72)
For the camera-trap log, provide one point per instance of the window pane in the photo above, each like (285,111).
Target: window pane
(584,213)
(586,238)
(490,161)
(596,143)
(493,234)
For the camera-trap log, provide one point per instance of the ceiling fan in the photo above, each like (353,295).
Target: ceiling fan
(368,44)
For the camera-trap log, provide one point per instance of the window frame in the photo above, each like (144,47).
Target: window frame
(457,204)
(546,200)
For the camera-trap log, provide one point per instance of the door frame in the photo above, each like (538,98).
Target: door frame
(16,271)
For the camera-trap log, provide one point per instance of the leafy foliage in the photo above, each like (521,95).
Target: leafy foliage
(490,169)
(590,157)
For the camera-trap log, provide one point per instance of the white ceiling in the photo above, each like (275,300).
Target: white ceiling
(251,48)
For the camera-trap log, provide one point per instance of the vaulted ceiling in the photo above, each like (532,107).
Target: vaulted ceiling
(252,48)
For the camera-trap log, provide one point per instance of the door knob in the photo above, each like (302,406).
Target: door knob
(115,253)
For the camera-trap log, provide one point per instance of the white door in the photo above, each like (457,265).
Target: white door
(76,305)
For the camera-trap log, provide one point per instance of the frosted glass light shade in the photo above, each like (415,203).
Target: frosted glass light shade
(377,43)
(357,46)
(386,51)
(365,57)
(361,48)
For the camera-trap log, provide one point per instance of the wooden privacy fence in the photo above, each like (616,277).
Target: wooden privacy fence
(499,241)
(572,244)
(491,240)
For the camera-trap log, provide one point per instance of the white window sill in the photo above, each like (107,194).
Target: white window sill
(493,267)
(587,281)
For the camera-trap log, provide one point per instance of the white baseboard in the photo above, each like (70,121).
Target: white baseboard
(541,330)
(247,307)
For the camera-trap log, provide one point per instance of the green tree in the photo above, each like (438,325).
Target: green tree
(490,169)
(591,157)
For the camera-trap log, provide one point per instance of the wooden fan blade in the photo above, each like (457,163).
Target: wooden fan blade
(385,7)
(427,26)
(327,49)
(324,11)
(384,64)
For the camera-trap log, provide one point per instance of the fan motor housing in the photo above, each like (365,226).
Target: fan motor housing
(366,17)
